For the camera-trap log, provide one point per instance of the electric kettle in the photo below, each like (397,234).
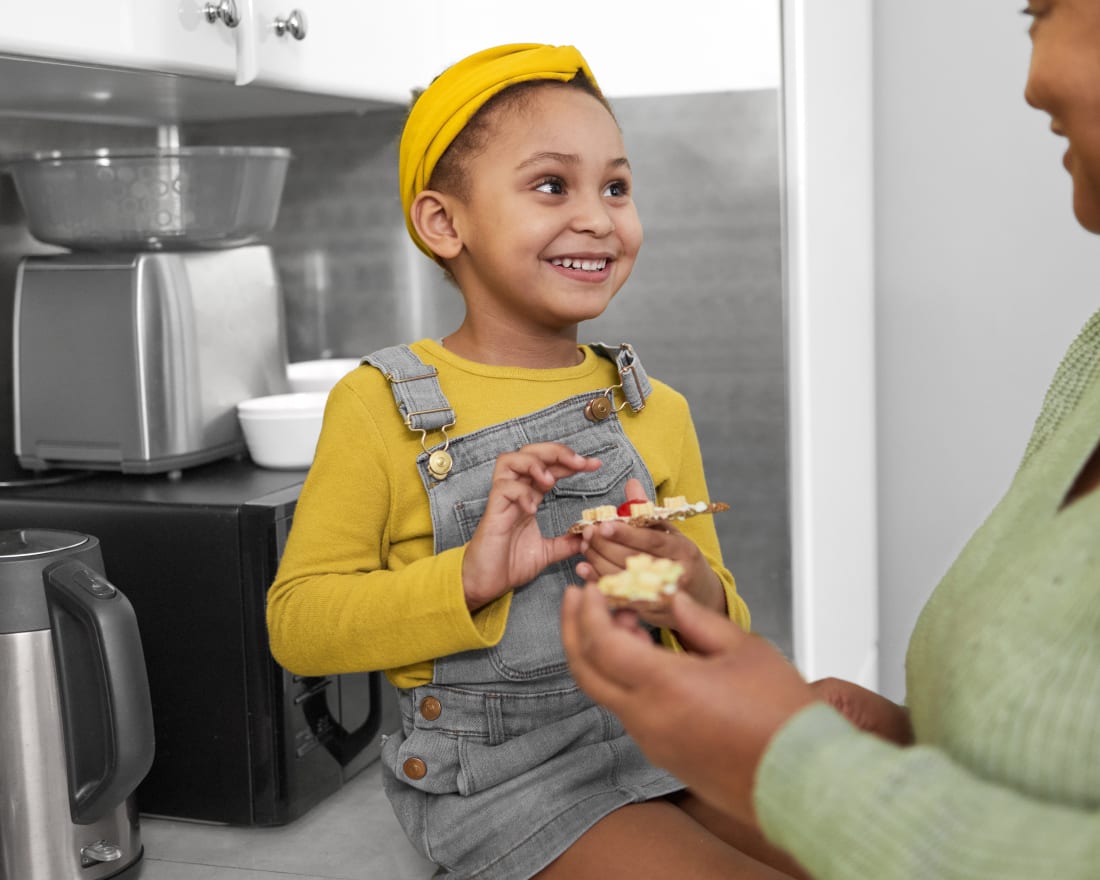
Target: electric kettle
(76,722)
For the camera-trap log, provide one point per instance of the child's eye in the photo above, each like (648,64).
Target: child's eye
(617,189)
(553,185)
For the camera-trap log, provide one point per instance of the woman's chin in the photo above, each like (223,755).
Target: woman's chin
(1087,214)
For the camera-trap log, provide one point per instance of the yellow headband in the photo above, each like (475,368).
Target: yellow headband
(444,108)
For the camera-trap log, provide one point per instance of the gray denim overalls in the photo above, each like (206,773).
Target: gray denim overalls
(502,762)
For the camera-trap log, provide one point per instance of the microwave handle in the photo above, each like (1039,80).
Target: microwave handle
(344,744)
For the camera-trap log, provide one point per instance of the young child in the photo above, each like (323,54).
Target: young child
(431,538)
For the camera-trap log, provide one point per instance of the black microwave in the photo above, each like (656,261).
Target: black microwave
(239,740)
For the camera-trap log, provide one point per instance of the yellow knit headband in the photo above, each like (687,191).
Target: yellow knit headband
(444,108)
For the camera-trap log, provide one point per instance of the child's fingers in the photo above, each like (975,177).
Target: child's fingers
(609,545)
(521,493)
(543,463)
(561,548)
(634,490)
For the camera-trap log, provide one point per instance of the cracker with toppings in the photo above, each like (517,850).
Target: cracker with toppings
(647,582)
(642,512)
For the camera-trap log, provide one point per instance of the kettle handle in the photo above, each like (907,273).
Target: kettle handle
(106,712)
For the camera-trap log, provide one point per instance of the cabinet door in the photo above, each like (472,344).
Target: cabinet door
(330,47)
(172,36)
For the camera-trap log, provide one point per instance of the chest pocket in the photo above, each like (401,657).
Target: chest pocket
(565,503)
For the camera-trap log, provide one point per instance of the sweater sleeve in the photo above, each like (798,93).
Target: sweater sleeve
(679,461)
(847,804)
(343,600)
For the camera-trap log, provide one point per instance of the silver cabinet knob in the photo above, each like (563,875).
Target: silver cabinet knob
(226,10)
(294,24)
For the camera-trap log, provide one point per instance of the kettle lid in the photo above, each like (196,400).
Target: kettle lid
(25,556)
(27,543)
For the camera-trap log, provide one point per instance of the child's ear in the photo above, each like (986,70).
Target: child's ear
(431,217)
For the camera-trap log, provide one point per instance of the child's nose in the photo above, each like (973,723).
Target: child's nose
(593,216)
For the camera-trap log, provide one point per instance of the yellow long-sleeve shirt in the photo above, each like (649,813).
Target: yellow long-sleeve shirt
(359,586)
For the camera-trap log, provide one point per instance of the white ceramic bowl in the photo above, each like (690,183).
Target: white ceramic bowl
(281,430)
(318,375)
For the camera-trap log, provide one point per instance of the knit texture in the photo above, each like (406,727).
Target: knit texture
(1073,377)
(360,587)
(1003,675)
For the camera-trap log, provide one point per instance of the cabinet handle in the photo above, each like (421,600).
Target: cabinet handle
(226,10)
(294,24)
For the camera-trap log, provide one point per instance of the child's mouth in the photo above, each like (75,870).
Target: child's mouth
(577,263)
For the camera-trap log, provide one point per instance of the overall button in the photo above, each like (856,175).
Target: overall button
(430,708)
(440,463)
(597,409)
(415,768)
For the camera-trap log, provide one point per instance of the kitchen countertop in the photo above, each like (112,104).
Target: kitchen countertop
(351,835)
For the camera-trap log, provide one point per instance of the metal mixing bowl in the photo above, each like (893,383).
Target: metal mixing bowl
(181,198)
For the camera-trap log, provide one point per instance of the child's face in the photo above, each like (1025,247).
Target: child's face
(549,230)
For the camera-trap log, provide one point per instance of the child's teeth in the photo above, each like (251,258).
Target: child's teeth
(586,265)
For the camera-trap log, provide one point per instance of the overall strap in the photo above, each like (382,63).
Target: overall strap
(632,376)
(415,387)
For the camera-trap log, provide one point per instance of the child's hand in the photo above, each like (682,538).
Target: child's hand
(866,709)
(507,548)
(607,545)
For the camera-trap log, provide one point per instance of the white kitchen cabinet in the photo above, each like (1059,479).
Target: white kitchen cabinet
(169,36)
(328,47)
(172,61)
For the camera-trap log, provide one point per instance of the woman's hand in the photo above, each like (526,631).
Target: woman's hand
(866,710)
(606,547)
(507,548)
(706,716)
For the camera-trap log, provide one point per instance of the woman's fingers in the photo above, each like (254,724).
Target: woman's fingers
(707,631)
(606,658)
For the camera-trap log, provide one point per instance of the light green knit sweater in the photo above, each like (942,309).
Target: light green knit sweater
(1003,678)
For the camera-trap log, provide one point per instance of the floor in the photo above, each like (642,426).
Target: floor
(352,835)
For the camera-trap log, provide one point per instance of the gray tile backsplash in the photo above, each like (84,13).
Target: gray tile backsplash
(704,307)
(352,279)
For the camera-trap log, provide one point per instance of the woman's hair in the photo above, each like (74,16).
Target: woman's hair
(449,174)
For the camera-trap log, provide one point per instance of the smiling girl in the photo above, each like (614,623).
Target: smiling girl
(432,539)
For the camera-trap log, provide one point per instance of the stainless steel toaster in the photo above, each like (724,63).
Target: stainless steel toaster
(135,362)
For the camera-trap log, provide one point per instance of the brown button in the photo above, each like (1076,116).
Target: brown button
(415,768)
(597,409)
(430,708)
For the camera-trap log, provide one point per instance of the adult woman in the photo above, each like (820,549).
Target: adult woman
(993,768)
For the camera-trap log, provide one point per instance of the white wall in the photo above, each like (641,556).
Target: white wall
(633,48)
(829,280)
(982,277)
